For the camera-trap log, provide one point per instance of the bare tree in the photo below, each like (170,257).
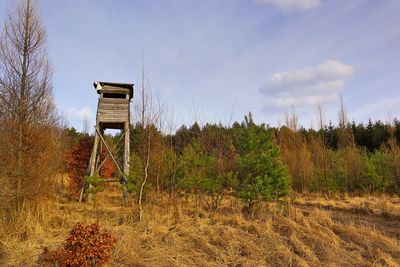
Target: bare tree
(148,113)
(295,152)
(352,156)
(27,102)
(342,114)
(145,99)
(323,143)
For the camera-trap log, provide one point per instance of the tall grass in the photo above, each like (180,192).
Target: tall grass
(170,234)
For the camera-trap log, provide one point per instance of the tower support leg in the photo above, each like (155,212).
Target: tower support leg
(93,157)
(92,161)
(126,161)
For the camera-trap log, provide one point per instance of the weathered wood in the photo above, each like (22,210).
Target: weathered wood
(126,160)
(94,151)
(119,102)
(120,116)
(104,106)
(113,111)
(112,117)
(124,104)
(114,147)
(115,89)
(113,101)
(111,155)
(111,120)
(125,88)
(92,161)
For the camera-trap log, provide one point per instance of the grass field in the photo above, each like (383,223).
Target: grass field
(312,231)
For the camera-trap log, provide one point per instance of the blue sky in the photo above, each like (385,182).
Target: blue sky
(225,58)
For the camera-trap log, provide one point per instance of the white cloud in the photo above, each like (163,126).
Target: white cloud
(291,5)
(307,86)
(79,116)
(83,113)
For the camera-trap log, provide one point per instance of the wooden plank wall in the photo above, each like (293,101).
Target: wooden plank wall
(113,110)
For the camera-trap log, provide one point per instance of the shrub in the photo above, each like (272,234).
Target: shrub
(202,173)
(96,183)
(77,161)
(197,166)
(262,176)
(86,246)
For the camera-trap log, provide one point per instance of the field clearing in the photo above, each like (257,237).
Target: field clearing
(314,231)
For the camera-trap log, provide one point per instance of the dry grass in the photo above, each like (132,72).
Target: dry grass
(382,205)
(171,234)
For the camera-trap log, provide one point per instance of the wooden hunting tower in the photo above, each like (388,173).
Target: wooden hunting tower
(113,112)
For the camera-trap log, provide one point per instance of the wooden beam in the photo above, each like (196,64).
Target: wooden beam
(112,156)
(113,101)
(94,152)
(125,193)
(115,146)
(92,161)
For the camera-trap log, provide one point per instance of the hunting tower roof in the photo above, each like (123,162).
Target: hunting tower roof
(110,87)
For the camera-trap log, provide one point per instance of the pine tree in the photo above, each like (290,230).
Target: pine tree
(262,176)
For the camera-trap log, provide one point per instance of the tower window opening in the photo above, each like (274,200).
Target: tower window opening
(108,95)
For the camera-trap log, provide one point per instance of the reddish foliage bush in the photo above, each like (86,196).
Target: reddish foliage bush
(78,159)
(108,169)
(86,246)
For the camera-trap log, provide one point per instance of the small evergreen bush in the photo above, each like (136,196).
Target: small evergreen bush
(262,175)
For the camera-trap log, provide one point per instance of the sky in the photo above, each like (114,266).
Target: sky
(214,61)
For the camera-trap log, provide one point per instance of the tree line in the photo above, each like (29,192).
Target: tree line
(345,158)
(256,162)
